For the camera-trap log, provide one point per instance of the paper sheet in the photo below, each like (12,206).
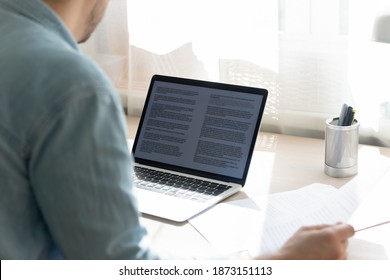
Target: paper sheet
(376,207)
(373,210)
(231,228)
(312,205)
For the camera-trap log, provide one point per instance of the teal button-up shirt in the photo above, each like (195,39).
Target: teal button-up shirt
(65,189)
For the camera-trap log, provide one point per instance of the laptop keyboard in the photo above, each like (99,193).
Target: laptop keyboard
(176,185)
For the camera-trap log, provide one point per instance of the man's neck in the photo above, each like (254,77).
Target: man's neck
(71,13)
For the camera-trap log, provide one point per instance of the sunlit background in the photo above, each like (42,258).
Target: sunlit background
(312,56)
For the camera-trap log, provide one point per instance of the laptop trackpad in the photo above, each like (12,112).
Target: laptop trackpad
(169,207)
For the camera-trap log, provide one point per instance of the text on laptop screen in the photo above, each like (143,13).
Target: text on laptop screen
(200,128)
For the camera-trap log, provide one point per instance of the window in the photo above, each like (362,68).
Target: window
(312,56)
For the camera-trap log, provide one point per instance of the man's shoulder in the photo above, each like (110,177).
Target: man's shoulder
(43,70)
(42,55)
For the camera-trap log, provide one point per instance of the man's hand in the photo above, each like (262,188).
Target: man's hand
(320,242)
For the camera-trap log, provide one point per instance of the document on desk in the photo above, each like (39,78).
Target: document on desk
(234,226)
(312,207)
(375,209)
(371,222)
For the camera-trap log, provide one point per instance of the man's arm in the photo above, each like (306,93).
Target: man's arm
(80,173)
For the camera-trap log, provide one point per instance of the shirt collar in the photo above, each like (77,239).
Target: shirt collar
(39,12)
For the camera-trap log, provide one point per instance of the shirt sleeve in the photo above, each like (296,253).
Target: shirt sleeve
(80,174)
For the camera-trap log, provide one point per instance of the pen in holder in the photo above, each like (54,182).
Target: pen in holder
(341,148)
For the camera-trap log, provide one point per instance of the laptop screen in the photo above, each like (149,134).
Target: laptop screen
(203,128)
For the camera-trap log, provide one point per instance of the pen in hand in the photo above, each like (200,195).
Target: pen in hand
(372,226)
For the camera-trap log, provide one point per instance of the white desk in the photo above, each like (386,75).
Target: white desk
(280,163)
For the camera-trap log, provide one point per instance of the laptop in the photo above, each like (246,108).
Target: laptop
(194,144)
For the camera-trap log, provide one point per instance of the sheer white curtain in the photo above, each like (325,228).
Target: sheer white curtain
(109,46)
(312,55)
